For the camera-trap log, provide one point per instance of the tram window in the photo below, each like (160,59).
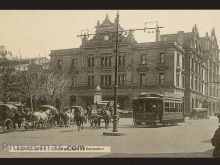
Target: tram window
(181,107)
(171,107)
(136,106)
(166,106)
(141,108)
(176,107)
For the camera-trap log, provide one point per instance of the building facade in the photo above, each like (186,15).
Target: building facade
(201,69)
(151,66)
(210,51)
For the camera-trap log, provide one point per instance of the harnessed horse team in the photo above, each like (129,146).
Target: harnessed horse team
(74,115)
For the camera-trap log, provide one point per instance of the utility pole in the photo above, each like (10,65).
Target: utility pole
(116,77)
(85,35)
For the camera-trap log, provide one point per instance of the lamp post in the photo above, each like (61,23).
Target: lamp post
(115,117)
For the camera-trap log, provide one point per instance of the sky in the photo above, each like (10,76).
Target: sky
(36,32)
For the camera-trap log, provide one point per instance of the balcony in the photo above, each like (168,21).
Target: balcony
(91,69)
(143,68)
(162,67)
(105,69)
(74,70)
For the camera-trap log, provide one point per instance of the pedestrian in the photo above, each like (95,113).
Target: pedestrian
(218,117)
(108,105)
(216,143)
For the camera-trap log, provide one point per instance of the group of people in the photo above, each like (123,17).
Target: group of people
(108,107)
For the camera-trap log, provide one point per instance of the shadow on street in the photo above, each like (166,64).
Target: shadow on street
(206,154)
(146,126)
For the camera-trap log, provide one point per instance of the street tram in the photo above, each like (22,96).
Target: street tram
(157,109)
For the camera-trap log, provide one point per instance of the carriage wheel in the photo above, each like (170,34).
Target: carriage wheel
(165,123)
(8,125)
(136,123)
(50,122)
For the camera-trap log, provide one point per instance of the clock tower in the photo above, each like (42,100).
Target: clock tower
(106,26)
(105,34)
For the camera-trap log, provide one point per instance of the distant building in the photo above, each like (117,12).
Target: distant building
(25,62)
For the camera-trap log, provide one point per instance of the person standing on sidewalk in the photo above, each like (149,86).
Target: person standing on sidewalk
(218,115)
(216,142)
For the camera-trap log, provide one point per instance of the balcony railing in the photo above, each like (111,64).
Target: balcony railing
(162,66)
(143,68)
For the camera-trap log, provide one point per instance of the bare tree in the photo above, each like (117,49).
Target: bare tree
(33,83)
(9,77)
(64,86)
(56,85)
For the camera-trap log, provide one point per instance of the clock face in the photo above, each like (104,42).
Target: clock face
(106,37)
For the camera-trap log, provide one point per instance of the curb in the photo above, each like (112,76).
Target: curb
(113,134)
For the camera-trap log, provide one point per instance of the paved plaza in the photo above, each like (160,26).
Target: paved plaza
(189,139)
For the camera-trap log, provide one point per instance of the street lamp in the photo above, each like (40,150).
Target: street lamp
(115,114)
(115,117)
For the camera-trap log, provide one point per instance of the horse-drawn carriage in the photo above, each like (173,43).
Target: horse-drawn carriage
(94,116)
(53,117)
(102,110)
(46,116)
(9,117)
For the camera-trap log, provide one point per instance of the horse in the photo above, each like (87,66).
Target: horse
(68,117)
(94,119)
(54,118)
(18,118)
(79,117)
(41,118)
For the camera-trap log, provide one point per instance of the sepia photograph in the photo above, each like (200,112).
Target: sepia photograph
(109,84)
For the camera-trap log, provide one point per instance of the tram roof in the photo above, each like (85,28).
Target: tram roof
(145,97)
(160,98)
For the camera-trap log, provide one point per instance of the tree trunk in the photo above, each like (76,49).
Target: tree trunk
(32,110)
(52,100)
(4,99)
(35,105)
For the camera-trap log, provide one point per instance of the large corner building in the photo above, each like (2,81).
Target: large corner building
(183,63)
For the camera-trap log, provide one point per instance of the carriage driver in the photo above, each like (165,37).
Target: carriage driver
(109,107)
